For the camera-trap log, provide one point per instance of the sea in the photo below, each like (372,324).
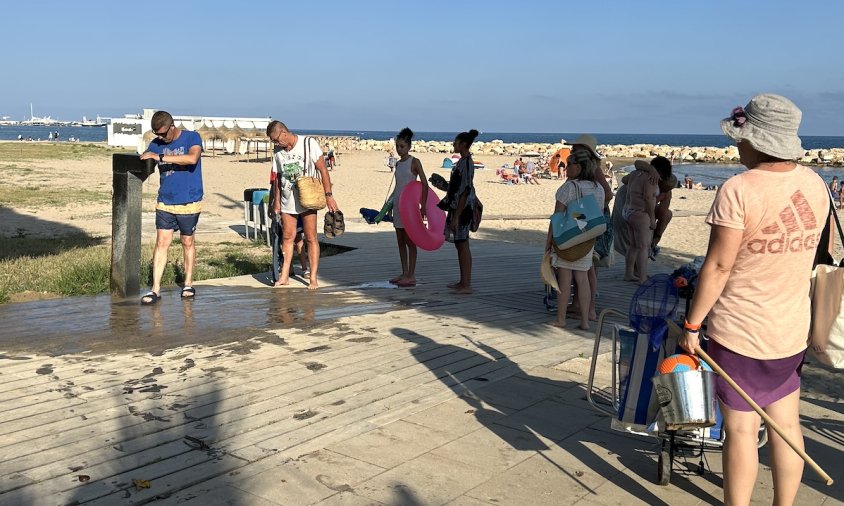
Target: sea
(710,174)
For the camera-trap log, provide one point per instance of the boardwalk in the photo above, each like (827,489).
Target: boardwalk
(357,394)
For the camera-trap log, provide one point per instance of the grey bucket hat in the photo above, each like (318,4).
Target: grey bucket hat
(769,123)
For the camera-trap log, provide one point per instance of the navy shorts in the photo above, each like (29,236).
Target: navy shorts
(184,223)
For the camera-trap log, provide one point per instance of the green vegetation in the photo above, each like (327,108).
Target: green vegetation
(16,151)
(46,196)
(80,265)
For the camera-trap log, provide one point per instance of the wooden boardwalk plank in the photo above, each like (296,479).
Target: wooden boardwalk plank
(385,353)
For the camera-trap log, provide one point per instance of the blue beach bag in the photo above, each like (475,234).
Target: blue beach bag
(582,220)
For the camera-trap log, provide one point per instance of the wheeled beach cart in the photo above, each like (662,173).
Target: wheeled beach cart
(634,403)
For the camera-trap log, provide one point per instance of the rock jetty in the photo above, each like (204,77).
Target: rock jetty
(702,154)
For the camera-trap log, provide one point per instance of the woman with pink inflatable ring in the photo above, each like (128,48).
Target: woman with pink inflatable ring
(408,170)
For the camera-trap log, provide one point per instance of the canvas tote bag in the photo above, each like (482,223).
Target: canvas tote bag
(582,220)
(826,337)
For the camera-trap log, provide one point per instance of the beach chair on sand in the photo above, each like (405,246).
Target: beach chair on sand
(506,177)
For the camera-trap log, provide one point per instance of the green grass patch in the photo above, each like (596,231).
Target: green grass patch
(81,265)
(16,151)
(31,196)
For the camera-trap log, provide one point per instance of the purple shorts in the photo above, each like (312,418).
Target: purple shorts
(765,381)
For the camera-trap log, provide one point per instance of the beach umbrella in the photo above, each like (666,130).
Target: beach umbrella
(209,134)
(236,135)
(223,131)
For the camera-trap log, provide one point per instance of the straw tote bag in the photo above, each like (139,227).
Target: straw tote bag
(576,252)
(311,191)
(826,337)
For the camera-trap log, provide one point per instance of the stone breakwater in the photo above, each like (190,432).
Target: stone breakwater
(706,154)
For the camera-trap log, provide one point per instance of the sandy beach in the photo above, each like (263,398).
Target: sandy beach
(515,213)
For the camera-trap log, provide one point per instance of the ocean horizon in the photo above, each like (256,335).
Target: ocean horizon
(99,134)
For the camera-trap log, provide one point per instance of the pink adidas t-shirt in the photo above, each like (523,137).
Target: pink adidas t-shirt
(764,311)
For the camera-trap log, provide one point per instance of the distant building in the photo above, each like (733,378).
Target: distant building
(230,134)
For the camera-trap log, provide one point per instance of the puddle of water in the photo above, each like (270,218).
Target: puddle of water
(365,286)
(218,315)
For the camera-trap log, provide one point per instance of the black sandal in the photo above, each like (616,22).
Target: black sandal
(188,292)
(150,298)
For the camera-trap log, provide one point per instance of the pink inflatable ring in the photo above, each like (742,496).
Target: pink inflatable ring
(429,238)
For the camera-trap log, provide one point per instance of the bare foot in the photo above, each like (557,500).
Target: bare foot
(282,282)
(313,285)
(558,324)
(463,290)
(455,285)
(633,279)
(396,279)
(584,326)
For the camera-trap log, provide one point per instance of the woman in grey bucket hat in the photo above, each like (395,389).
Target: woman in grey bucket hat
(769,123)
(753,291)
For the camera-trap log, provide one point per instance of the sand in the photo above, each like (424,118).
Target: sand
(516,213)
(512,212)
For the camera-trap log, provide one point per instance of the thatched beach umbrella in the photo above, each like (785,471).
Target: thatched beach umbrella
(236,134)
(144,141)
(223,132)
(209,134)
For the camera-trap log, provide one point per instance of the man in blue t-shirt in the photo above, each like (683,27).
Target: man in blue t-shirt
(178,153)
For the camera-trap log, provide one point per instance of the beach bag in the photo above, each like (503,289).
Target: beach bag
(438,182)
(575,252)
(826,337)
(477,215)
(311,191)
(582,220)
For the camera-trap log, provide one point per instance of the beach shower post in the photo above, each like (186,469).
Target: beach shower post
(128,175)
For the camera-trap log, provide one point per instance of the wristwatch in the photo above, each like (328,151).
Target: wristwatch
(329,194)
(161,157)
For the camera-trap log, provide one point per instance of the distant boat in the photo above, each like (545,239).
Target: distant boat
(99,122)
(44,120)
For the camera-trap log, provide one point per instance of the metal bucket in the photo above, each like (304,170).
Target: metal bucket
(687,398)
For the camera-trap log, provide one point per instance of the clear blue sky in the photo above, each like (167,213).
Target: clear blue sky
(529,66)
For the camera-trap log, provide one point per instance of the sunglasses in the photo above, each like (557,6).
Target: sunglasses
(164,133)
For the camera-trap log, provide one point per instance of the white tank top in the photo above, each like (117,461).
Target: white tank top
(404,174)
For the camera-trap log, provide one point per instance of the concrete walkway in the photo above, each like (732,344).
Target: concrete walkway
(359,393)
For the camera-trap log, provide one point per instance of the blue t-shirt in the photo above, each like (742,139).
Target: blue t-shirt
(180,184)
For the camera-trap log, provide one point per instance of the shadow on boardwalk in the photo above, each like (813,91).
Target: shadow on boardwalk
(545,414)
(130,443)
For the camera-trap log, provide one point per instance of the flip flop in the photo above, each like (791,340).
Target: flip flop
(150,298)
(188,292)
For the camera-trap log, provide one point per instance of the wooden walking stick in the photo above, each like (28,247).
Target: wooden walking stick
(768,421)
